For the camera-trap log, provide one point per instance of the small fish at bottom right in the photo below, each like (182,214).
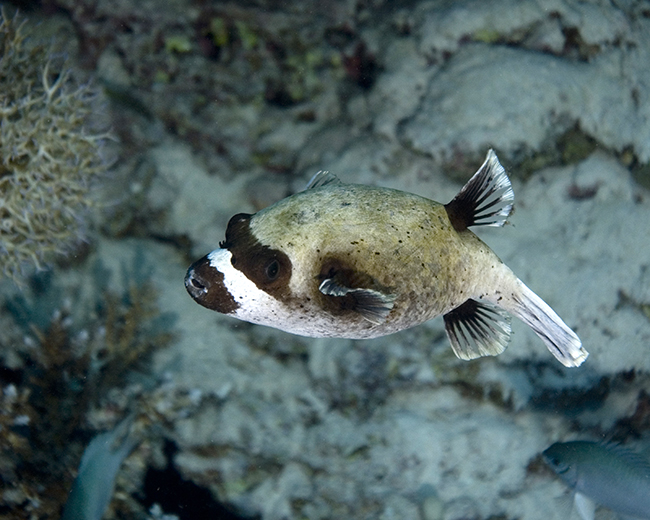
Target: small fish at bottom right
(602,474)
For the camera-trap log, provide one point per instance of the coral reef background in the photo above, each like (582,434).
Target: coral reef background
(221,108)
(50,155)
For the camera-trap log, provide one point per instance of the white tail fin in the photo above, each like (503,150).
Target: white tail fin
(563,343)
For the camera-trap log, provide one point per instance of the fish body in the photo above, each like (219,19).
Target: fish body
(92,490)
(608,475)
(355,261)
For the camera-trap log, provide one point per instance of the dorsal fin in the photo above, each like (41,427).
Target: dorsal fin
(322,178)
(486,199)
(630,457)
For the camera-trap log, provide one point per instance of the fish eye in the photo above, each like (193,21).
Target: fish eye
(272,270)
(557,465)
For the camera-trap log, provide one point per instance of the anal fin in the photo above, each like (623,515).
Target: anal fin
(477,329)
(585,506)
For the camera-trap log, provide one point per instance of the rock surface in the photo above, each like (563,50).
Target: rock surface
(301,428)
(293,428)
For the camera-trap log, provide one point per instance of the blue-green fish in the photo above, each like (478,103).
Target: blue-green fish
(93,488)
(605,474)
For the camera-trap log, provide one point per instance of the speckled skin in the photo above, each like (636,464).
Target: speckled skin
(406,243)
(352,261)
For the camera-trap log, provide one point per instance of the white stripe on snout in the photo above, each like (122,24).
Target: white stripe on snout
(255,305)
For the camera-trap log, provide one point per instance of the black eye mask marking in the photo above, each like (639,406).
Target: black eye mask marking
(269,269)
(232,229)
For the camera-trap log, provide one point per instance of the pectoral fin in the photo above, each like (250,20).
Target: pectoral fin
(477,329)
(373,305)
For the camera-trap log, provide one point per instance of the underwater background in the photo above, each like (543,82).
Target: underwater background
(131,131)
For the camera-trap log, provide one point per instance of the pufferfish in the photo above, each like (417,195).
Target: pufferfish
(353,261)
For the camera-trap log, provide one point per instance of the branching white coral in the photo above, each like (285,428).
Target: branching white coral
(48,159)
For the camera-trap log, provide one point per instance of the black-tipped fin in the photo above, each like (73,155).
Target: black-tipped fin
(486,199)
(322,178)
(373,305)
(477,329)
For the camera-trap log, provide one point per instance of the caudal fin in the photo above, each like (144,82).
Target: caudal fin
(563,343)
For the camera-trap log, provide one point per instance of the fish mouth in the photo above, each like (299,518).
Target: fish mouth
(205,284)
